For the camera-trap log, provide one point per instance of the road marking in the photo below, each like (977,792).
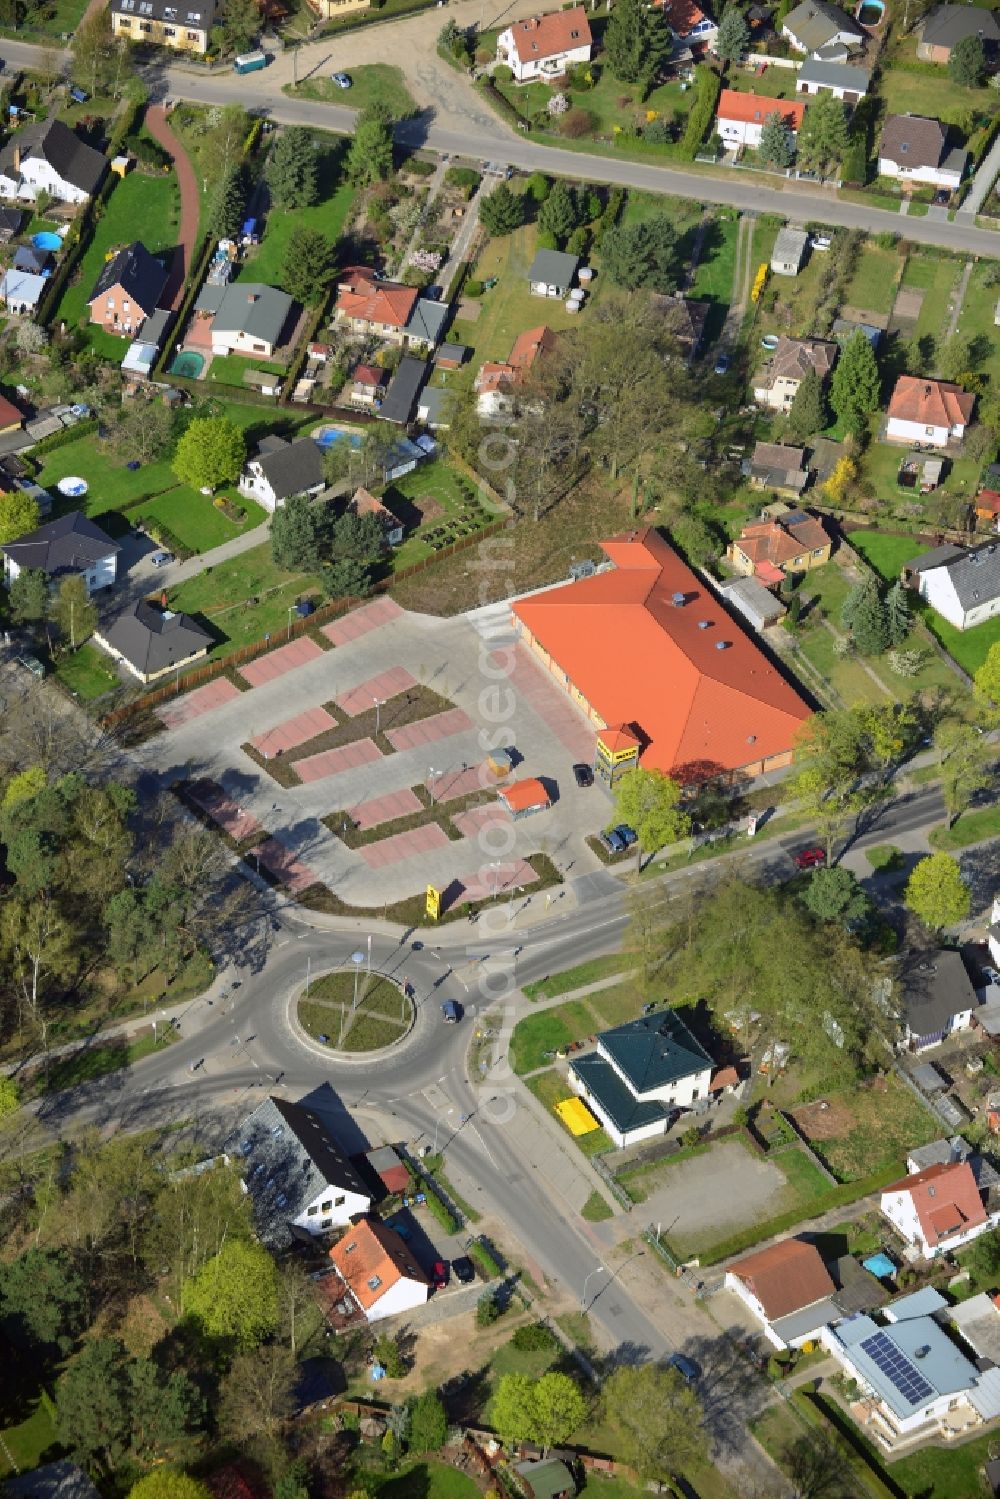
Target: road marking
(483,1143)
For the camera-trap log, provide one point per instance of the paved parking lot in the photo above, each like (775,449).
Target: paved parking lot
(378,647)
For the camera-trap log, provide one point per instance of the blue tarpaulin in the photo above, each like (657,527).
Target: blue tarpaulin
(879,1264)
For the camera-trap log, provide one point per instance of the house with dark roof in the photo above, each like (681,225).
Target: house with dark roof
(379,1272)
(152,642)
(61,1480)
(31,259)
(947,25)
(612,639)
(63,548)
(788,1289)
(247,317)
(642,1075)
(961,583)
(545,46)
(551,273)
(50,157)
(916,152)
(10,222)
(401,397)
(775,465)
(683,318)
(128,290)
(546,1478)
(300,1181)
(778,379)
(281,469)
(182,25)
(844,81)
(937,1210)
(938,997)
(789,251)
(822,31)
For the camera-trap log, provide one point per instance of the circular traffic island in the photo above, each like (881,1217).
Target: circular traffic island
(355,1012)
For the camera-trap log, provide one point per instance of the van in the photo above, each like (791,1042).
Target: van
(450,1013)
(251,62)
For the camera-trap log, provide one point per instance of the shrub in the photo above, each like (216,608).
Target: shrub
(502,74)
(707,89)
(532,1338)
(546,241)
(440,1210)
(465,178)
(419,167)
(486,1261)
(488,1309)
(473,288)
(577,123)
(579,241)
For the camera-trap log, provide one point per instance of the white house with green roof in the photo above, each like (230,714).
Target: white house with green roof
(641,1074)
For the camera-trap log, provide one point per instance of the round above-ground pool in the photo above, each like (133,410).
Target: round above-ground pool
(73,486)
(769,341)
(326,436)
(188,364)
(45,239)
(871,12)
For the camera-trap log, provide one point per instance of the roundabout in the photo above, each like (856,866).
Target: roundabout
(353,1014)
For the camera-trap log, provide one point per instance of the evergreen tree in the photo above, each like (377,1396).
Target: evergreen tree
(643,254)
(291,172)
(294,535)
(898,617)
(734,36)
(967,62)
(637,42)
(776,148)
(370,157)
(855,390)
(29,596)
(822,137)
(502,212)
(560,214)
(864,614)
(808,414)
(240,24)
(308,266)
(228,204)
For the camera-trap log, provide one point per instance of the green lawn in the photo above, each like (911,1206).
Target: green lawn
(935,95)
(683,212)
(383,1014)
(87,673)
(229,369)
(428,1480)
(220,597)
(329,215)
(603,100)
(576,978)
(549,1031)
(888,555)
(968,647)
(880,1126)
(93,1061)
(551,1088)
(952,1473)
(195,520)
(939,282)
(971,827)
(448,491)
(713,279)
(880,464)
(139,207)
(30,1440)
(377,82)
(977,317)
(872,288)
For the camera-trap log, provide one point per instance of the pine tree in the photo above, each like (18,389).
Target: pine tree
(967,62)
(808,414)
(643,254)
(559,214)
(855,390)
(623,41)
(370,157)
(294,536)
(776,148)
(865,615)
(822,137)
(308,265)
(734,36)
(898,617)
(291,172)
(228,204)
(502,212)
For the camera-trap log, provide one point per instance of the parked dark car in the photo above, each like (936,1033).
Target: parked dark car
(626,834)
(463,1270)
(613,841)
(685,1366)
(809,858)
(722,364)
(583,775)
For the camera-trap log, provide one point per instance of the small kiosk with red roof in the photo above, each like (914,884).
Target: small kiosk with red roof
(522,798)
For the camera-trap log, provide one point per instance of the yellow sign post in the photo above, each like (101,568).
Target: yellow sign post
(433,903)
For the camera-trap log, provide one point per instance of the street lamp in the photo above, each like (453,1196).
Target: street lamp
(583,1293)
(291,610)
(495,866)
(379,703)
(514,890)
(432,776)
(357,958)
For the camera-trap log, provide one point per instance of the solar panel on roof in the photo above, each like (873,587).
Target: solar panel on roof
(898,1369)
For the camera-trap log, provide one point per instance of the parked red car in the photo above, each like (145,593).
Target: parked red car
(809,858)
(439,1275)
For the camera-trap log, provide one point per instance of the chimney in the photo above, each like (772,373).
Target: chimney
(17,159)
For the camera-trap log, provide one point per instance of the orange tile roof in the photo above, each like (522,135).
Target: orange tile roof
(767,573)
(363,502)
(682,16)
(988,502)
(639,659)
(10,415)
(492,376)
(618,737)
(781,540)
(785,1278)
(753,109)
(367,374)
(547,36)
(519,796)
(528,346)
(372,1252)
(359,295)
(946,1199)
(933,403)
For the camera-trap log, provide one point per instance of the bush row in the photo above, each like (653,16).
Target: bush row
(164,537)
(199,265)
(708,86)
(483,1257)
(65,435)
(503,106)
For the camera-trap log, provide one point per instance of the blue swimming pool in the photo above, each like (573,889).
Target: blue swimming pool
(325,437)
(46,240)
(188,364)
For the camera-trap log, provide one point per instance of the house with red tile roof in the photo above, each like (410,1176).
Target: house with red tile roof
(934,413)
(363,502)
(495,381)
(775,545)
(368,384)
(692,26)
(614,640)
(788,1289)
(543,47)
(380,1274)
(740,117)
(397,313)
(939,1209)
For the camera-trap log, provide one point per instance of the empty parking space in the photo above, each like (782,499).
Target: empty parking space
(276,663)
(451,784)
(332,762)
(530,681)
(385,808)
(284,865)
(471,822)
(429,730)
(404,845)
(201,700)
(293,732)
(485,882)
(222,809)
(377,689)
(361,621)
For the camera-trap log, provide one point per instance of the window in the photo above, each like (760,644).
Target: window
(374,1281)
(326,1224)
(929,431)
(351,1248)
(327,1205)
(339,1201)
(169,31)
(145,26)
(695,1093)
(192,36)
(311,1212)
(819,551)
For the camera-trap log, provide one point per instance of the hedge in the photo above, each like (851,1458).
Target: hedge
(708,87)
(502,105)
(841,1196)
(164,537)
(65,435)
(196,274)
(125,124)
(440,1209)
(482,1256)
(827,1416)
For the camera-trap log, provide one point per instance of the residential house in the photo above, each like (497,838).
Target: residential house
(772,465)
(987,503)
(947,25)
(401,397)
(915,151)
(31,259)
(495,383)
(247,317)
(61,1480)
(551,273)
(299,1180)
(142,354)
(72,545)
(739,118)
(914,1380)
(150,642)
(11,416)
(380,1274)
(282,469)
(788,1289)
(692,27)
(543,47)
(757,604)
(938,998)
(961,583)
(777,545)
(978,1324)
(128,290)
(642,1075)
(21,292)
(183,25)
(779,377)
(845,81)
(789,251)
(329,10)
(684,319)
(368,383)
(932,413)
(450,356)
(937,1210)
(822,31)
(728,709)
(50,157)
(388,309)
(10,223)
(390,1169)
(363,502)
(425,328)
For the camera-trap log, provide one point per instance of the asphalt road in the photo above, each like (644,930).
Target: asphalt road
(743,191)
